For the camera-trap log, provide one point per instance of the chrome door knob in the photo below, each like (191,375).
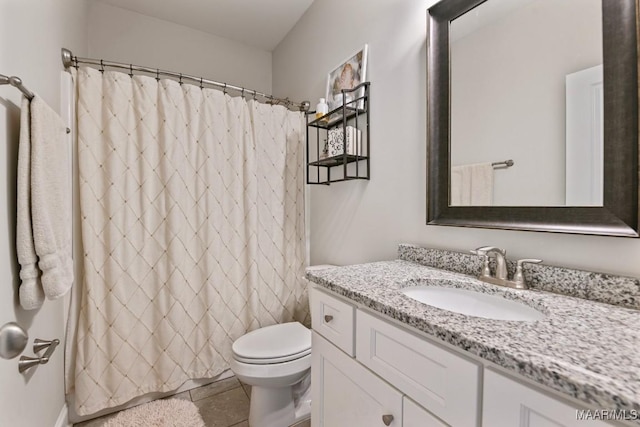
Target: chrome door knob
(387,419)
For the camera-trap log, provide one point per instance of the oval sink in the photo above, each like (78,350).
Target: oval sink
(473,303)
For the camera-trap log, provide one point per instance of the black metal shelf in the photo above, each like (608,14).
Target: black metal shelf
(337,160)
(351,118)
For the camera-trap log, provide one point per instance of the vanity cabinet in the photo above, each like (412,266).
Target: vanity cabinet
(412,380)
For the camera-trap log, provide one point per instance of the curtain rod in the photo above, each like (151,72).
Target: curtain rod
(16,82)
(69,60)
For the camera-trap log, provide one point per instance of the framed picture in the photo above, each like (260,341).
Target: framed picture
(349,74)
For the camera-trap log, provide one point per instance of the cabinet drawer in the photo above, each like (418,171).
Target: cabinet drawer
(333,319)
(441,381)
(508,403)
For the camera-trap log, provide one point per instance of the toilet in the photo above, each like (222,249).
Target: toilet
(275,361)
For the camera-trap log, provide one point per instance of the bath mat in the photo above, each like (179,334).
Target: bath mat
(159,413)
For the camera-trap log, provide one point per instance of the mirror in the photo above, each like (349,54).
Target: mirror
(533,115)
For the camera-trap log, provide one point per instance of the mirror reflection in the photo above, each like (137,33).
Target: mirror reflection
(526,104)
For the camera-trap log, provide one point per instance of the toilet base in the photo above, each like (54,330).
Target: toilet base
(271,407)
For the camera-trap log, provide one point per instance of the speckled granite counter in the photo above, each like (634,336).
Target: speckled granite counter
(585,349)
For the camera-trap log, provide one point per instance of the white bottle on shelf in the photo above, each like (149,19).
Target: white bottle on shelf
(322,108)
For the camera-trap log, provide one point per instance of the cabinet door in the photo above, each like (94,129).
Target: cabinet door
(413,415)
(508,403)
(345,394)
(445,383)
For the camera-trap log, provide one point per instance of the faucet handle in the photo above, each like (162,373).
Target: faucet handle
(484,257)
(487,249)
(518,277)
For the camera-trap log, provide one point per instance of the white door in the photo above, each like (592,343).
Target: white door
(584,142)
(415,415)
(508,403)
(345,394)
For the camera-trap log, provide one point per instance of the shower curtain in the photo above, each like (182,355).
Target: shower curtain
(192,228)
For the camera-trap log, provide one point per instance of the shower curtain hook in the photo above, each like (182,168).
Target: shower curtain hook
(180,81)
(224,90)
(242,93)
(254,95)
(201,87)
(130,70)
(157,74)
(101,66)
(75,60)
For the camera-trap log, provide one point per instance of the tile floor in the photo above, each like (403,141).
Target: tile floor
(223,403)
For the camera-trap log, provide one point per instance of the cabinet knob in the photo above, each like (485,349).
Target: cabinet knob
(328,318)
(387,419)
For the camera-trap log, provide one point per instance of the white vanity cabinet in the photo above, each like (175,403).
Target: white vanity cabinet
(400,378)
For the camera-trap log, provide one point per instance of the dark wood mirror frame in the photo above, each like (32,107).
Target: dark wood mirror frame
(619,215)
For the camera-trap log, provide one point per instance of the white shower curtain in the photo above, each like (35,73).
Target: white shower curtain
(193,231)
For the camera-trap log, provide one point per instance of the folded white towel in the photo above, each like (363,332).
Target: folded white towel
(51,198)
(472,185)
(31,293)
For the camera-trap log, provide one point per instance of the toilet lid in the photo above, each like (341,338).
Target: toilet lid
(273,342)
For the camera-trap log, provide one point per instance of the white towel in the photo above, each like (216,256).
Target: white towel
(472,185)
(31,293)
(51,198)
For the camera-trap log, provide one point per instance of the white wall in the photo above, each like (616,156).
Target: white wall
(508,94)
(31,35)
(124,36)
(355,222)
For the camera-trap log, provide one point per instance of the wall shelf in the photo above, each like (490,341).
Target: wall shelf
(346,125)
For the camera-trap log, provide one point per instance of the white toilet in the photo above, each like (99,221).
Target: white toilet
(272,360)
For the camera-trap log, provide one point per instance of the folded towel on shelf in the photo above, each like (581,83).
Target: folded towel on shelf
(51,198)
(472,185)
(30,292)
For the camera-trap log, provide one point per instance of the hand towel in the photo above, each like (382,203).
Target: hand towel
(472,185)
(51,198)
(30,292)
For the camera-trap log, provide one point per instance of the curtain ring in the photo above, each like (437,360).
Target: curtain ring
(75,61)
(224,90)
(255,94)
(101,66)
(157,74)
(242,93)
(180,81)
(201,87)
(130,70)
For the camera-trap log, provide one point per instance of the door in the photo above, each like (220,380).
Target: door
(585,137)
(345,394)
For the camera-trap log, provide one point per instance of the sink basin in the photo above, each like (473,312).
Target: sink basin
(473,303)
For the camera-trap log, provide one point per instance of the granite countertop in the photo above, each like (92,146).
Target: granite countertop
(588,350)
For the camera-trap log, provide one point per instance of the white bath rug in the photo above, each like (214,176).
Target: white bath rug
(159,413)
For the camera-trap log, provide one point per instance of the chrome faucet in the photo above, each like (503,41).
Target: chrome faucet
(501,277)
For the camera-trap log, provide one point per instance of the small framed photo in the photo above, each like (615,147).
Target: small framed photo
(349,74)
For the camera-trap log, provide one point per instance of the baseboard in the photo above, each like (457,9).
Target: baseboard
(63,417)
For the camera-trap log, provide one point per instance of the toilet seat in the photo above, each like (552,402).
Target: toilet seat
(268,361)
(273,344)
